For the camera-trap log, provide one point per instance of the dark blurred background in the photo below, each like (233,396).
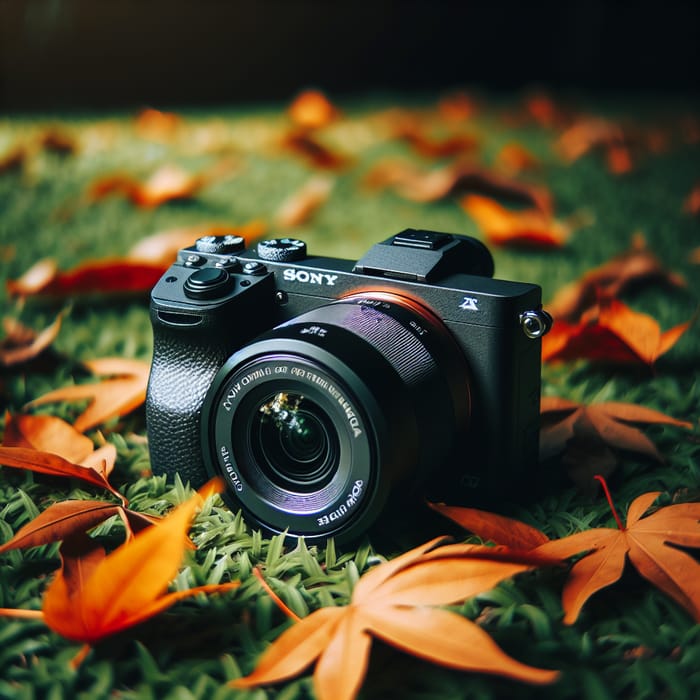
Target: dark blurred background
(57,54)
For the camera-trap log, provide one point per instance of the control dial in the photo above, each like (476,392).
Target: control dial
(282,250)
(222,245)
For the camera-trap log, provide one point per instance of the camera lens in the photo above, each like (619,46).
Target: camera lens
(315,423)
(294,441)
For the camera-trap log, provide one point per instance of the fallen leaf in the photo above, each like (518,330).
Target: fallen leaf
(166,184)
(492,527)
(414,133)
(636,266)
(457,107)
(300,206)
(64,520)
(651,545)
(692,201)
(22,344)
(13,160)
(395,602)
(36,278)
(303,143)
(157,126)
(109,398)
(94,595)
(591,436)
(47,434)
(528,227)
(513,158)
(586,134)
(428,186)
(611,332)
(54,465)
(311,109)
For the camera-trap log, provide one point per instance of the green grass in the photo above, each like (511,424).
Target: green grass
(630,641)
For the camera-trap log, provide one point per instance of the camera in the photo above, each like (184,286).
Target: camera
(321,389)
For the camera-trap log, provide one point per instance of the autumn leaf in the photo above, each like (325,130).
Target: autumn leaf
(594,133)
(414,133)
(155,125)
(457,107)
(529,227)
(651,545)
(492,527)
(65,519)
(136,273)
(21,344)
(109,398)
(13,160)
(166,184)
(692,201)
(54,465)
(428,186)
(611,332)
(311,109)
(514,158)
(300,206)
(305,144)
(590,436)
(395,602)
(95,595)
(636,266)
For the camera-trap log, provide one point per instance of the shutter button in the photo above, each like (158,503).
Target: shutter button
(208,283)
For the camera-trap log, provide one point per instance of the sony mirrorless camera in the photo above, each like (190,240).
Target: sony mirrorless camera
(319,387)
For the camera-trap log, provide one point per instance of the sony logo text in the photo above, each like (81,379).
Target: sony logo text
(293,275)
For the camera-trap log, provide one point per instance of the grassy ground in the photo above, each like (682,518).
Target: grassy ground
(630,641)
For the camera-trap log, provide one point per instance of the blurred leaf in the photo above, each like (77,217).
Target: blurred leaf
(529,227)
(611,332)
(692,201)
(303,143)
(121,394)
(428,186)
(22,344)
(301,205)
(636,266)
(311,109)
(589,436)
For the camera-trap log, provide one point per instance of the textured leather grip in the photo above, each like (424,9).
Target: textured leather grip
(184,366)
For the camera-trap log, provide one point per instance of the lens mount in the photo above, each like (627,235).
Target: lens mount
(316,422)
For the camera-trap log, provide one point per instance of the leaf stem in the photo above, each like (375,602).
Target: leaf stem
(604,484)
(22,614)
(277,600)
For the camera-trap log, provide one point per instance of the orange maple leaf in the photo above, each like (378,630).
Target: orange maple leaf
(311,109)
(124,392)
(611,332)
(636,266)
(94,595)
(589,436)
(395,602)
(22,344)
(529,227)
(651,546)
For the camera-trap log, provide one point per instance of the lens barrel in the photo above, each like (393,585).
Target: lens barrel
(316,422)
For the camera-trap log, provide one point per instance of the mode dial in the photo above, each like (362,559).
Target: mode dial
(282,250)
(222,245)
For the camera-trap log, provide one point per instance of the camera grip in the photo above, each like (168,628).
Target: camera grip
(183,368)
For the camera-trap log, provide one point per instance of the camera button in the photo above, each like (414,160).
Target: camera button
(194,260)
(254,268)
(208,283)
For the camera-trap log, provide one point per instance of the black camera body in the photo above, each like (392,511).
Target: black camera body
(318,386)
